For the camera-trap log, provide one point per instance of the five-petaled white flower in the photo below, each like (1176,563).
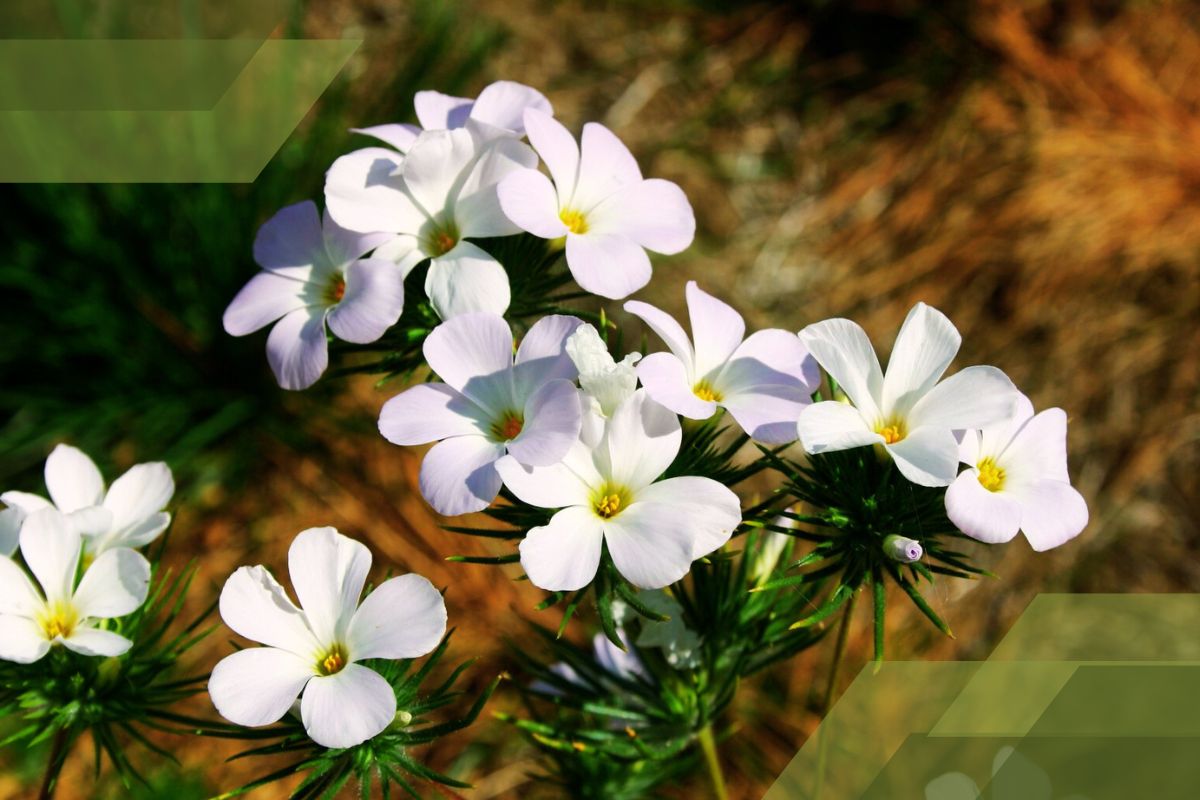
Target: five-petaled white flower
(498,111)
(907,411)
(431,201)
(314,273)
(764,381)
(31,622)
(599,201)
(1018,480)
(129,514)
(490,403)
(315,649)
(610,494)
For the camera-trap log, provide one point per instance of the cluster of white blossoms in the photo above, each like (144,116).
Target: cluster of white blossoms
(464,175)
(81,525)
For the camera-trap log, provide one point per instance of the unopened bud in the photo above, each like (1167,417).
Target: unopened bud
(903,549)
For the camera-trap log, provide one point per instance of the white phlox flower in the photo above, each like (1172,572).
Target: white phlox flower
(315,650)
(63,612)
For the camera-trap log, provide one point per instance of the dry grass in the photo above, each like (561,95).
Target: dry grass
(1043,189)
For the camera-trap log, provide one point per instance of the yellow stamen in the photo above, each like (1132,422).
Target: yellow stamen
(704,391)
(609,505)
(442,239)
(60,620)
(334,661)
(574,220)
(892,431)
(508,427)
(991,476)
(336,289)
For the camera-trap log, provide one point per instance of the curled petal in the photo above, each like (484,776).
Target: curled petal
(667,381)
(502,104)
(552,421)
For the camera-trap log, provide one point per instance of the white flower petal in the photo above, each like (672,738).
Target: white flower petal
(780,352)
(606,264)
(666,380)
(267,297)
(50,547)
(563,556)
(477,208)
(399,135)
(466,280)
(1052,512)
(654,213)
(434,167)
(528,199)
(348,707)
(991,517)
(843,349)
(405,617)
(96,642)
(605,165)
(924,348)
(17,594)
(139,494)
(255,606)
(402,250)
(373,301)
(468,347)
(542,355)
(717,329)
(429,412)
(973,398)
(557,147)
(830,426)
(710,510)
(552,422)
(651,544)
(114,585)
(342,245)
(328,571)
(1039,449)
(995,438)
(364,191)
(502,104)
(135,536)
(25,501)
(297,349)
(927,456)
(768,413)
(641,440)
(569,483)
(437,111)
(257,686)
(670,331)
(21,640)
(607,382)
(72,479)
(290,239)
(458,475)
(10,529)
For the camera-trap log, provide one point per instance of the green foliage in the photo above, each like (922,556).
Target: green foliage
(386,759)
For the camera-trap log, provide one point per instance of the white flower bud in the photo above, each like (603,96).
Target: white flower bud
(903,549)
(606,380)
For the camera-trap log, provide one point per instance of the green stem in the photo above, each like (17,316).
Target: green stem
(708,744)
(824,733)
(58,756)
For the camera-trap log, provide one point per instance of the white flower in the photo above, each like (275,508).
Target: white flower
(907,411)
(10,529)
(764,381)
(609,215)
(610,495)
(65,613)
(129,514)
(623,664)
(771,545)
(605,381)
(1018,480)
(315,649)
(431,201)
(314,273)
(492,402)
(498,111)
(679,643)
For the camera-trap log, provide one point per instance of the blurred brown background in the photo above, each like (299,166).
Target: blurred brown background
(1030,168)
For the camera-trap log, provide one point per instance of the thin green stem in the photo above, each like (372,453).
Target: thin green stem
(708,744)
(58,756)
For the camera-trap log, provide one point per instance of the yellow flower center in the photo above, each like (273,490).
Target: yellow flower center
(609,505)
(508,427)
(333,662)
(60,620)
(336,289)
(892,431)
(574,220)
(705,391)
(991,476)
(442,239)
